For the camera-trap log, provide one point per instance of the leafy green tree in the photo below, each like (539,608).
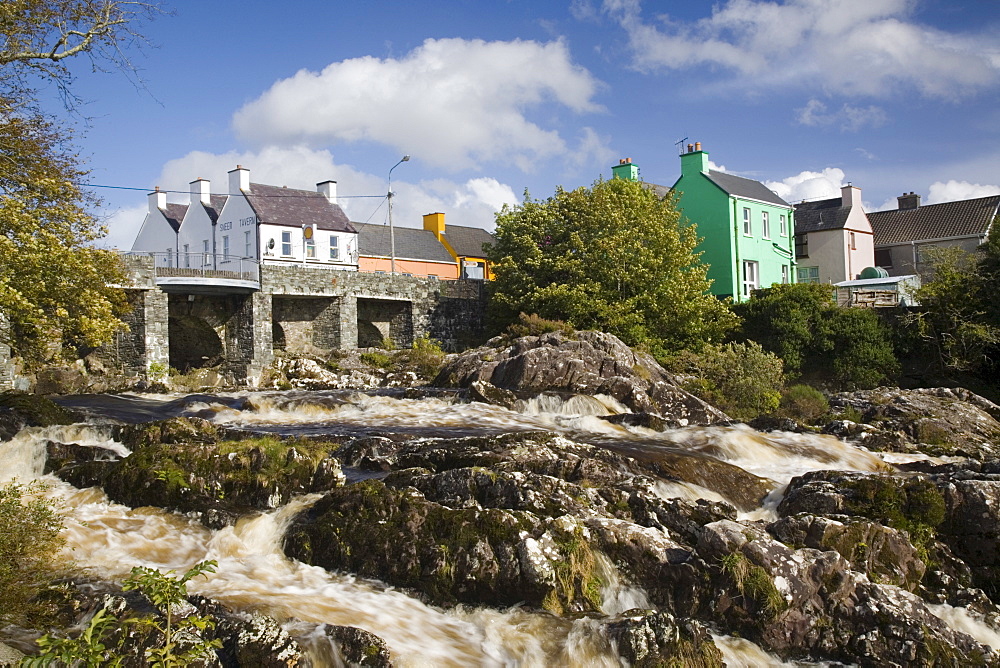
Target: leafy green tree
(614,257)
(801,324)
(29,541)
(956,315)
(55,288)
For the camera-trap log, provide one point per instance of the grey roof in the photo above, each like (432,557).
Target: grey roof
(826,214)
(216,202)
(748,188)
(411,243)
(934,221)
(468,241)
(174,213)
(287,206)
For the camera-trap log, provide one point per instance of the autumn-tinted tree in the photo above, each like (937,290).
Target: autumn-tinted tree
(55,288)
(614,257)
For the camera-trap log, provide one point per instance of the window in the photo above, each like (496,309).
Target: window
(751,277)
(170,257)
(187,256)
(853,245)
(247,246)
(784,274)
(225,248)
(747,225)
(205,255)
(782,225)
(808,274)
(801,245)
(334,247)
(765,224)
(311,248)
(883,257)
(286,243)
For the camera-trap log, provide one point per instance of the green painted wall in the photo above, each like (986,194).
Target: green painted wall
(719,217)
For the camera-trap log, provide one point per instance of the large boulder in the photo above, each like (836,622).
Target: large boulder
(934,421)
(582,363)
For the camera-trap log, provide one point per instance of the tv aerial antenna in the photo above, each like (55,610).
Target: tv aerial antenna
(680,145)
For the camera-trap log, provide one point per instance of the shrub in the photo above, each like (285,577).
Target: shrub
(741,379)
(29,542)
(803,402)
(425,358)
(378,360)
(535,325)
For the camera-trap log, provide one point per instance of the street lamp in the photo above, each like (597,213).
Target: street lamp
(392,233)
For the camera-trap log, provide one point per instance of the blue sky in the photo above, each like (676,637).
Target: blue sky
(492,98)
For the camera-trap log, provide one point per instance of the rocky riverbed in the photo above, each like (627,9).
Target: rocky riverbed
(570,481)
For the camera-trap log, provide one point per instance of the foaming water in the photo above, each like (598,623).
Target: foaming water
(106,540)
(962,620)
(741,653)
(23,457)
(616,595)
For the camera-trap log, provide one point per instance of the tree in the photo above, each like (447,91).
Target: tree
(956,313)
(55,288)
(614,257)
(801,324)
(39,35)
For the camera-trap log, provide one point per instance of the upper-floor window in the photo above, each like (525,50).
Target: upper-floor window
(334,247)
(205,255)
(883,257)
(170,257)
(853,245)
(747,225)
(784,274)
(751,277)
(801,245)
(187,257)
(247,245)
(311,248)
(783,225)
(765,224)
(286,243)
(225,248)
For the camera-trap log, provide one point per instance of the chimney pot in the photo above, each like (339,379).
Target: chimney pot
(697,146)
(690,148)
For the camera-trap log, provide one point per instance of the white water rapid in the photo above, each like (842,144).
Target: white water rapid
(107,539)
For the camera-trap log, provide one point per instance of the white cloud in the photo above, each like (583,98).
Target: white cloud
(848,117)
(809,185)
(472,203)
(953,191)
(452,103)
(866,47)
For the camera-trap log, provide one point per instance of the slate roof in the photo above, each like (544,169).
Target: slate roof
(468,241)
(748,188)
(411,243)
(934,221)
(826,214)
(216,202)
(174,213)
(287,206)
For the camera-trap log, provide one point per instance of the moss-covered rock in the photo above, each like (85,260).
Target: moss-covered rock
(19,410)
(650,639)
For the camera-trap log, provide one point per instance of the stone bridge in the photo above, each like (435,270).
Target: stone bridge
(187,319)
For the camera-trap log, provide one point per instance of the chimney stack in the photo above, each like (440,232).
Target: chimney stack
(239,180)
(201,191)
(157,200)
(850,195)
(328,189)
(625,170)
(434,222)
(909,200)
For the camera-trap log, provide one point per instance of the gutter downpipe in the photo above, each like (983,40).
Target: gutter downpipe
(738,285)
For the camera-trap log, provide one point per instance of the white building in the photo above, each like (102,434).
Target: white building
(251,224)
(833,239)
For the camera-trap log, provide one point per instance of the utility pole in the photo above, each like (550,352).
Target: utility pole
(392,232)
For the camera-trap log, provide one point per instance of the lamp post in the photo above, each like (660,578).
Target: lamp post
(392,233)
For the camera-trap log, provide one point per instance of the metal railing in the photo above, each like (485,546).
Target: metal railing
(203,265)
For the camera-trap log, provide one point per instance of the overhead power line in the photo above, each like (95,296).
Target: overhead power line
(188,192)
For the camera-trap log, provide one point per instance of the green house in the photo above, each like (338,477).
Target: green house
(747,231)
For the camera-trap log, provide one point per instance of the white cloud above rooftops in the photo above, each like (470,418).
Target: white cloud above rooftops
(953,191)
(809,185)
(456,103)
(849,47)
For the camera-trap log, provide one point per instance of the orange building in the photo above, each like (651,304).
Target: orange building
(465,244)
(418,252)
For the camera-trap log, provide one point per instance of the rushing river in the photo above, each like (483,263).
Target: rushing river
(107,539)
